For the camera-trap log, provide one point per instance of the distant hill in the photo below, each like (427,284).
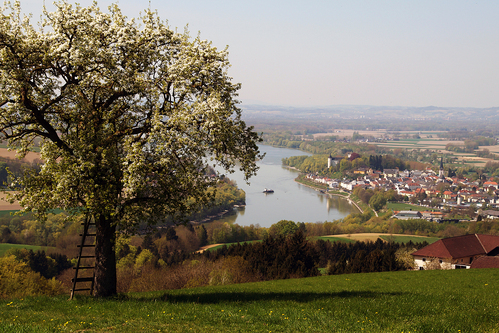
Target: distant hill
(376,112)
(393,118)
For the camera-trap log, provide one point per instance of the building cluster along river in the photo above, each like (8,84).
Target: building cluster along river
(289,201)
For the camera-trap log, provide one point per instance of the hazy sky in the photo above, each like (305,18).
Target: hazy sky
(311,53)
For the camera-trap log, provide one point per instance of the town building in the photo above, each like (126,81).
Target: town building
(456,252)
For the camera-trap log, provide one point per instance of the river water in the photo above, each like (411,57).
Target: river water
(290,200)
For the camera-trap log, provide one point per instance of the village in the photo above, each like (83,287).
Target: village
(425,188)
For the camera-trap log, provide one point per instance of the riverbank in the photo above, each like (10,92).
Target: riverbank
(324,189)
(290,200)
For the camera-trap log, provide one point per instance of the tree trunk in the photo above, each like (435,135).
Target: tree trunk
(105,258)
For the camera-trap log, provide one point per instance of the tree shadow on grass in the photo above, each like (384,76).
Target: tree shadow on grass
(219,297)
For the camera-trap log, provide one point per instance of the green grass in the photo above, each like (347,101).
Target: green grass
(405,239)
(404,206)
(339,193)
(11,212)
(5,246)
(417,301)
(361,204)
(335,239)
(229,244)
(7,212)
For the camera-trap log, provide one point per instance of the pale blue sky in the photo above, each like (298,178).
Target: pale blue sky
(313,53)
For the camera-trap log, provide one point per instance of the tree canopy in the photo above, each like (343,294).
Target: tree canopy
(127,114)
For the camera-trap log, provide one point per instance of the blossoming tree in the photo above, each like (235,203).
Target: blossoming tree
(127,114)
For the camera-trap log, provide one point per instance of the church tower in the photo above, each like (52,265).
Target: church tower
(329,161)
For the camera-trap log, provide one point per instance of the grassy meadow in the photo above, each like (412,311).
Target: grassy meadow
(215,247)
(4,247)
(335,239)
(404,206)
(416,301)
(352,238)
(405,239)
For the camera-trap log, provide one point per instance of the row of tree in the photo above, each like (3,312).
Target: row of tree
(59,229)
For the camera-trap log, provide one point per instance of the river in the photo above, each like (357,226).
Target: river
(290,200)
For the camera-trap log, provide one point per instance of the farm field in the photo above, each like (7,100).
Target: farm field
(415,301)
(365,237)
(214,247)
(4,152)
(7,206)
(439,147)
(335,239)
(427,140)
(4,247)
(378,133)
(404,206)
(407,238)
(347,238)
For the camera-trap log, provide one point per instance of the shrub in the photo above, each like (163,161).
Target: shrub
(404,257)
(144,258)
(231,270)
(39,262)
(18,280)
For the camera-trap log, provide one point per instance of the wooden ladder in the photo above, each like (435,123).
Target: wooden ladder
(84,244)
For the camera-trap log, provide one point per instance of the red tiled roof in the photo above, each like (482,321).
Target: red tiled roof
(460,246)
(407,192)
(436,249)
(485,262)
(489,242)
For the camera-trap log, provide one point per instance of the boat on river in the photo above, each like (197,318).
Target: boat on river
(268,190)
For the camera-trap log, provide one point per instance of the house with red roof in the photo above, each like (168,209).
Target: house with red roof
(488,184)
(456,252)
(447,194)
(407,193)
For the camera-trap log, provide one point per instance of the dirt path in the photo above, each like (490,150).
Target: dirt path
(354,203)
(204,248)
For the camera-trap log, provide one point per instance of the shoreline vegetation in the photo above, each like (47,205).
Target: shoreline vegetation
(323,189)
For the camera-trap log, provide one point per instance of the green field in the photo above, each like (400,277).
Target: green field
(404,206)
(7,212)
(335,239)
(405,239)
(416,301)
(4,247)
(229,244)
(339,193)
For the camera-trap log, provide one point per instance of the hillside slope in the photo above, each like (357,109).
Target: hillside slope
(418,301)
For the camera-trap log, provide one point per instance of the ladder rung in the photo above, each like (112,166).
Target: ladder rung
(85,267)
(86,245)
(82,289)
(87,257)
(88,279)
(89,235)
